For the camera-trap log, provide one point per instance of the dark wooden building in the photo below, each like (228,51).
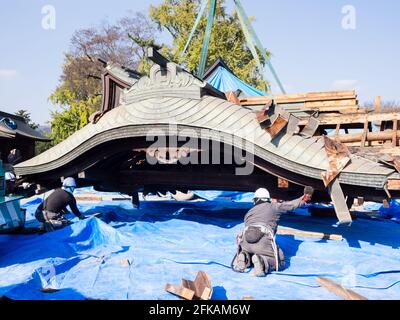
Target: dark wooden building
(15,133)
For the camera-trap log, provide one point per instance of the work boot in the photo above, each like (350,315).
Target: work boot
(243,261)
(48,227)
(56,223)
(258,266)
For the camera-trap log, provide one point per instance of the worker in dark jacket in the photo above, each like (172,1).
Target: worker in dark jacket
(257,241)
(51,212)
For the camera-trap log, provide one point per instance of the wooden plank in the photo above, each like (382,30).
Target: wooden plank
(199,289)
(283,99)
(344,109)
(302,97)
(319,235)
(203,286)
(180,291)
(371,136)
(319,95)
(339,202)
(393,184)
(331,103)
(332,93)
(88,198)
(339,290)
(357,118)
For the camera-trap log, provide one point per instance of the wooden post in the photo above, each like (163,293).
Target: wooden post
(365,133)
(378,103)
(337,130)
(394,135)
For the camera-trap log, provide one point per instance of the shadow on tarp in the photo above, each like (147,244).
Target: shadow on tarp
(383,232)
(219,293)
(158,211)
(164,211)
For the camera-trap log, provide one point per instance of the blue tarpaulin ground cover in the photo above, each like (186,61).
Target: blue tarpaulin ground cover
(132,253)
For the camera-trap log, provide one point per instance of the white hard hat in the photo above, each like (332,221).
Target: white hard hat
(9,176)
(69,183)
(262,193)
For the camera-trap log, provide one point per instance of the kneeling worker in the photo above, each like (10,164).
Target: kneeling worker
(257,244)
(51,211)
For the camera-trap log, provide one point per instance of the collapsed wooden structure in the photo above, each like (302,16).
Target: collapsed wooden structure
(339,112)
(171,130)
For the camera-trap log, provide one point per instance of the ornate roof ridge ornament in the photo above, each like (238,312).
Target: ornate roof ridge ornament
(167,79)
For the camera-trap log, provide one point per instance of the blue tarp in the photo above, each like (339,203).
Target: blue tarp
(132,254)
(225,81)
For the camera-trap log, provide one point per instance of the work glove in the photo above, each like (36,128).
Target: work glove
(308,193)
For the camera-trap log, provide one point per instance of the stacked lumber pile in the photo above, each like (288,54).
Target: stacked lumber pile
(333,101)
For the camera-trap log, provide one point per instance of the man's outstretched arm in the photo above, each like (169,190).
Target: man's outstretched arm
(296,203)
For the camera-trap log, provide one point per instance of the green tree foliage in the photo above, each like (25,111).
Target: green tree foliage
(227,38)
(27,117)
(40,146)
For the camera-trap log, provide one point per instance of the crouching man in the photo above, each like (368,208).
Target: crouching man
(51,212)
(257,244)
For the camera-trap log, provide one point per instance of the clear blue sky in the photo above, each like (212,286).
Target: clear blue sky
(311,50)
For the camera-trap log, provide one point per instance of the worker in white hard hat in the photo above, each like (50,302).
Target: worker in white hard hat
(52,210)
(10,181)
(257,244)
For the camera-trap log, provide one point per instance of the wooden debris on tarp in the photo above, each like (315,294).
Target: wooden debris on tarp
(125,263)
(320,235)
(199,289)
(339,290)
(88,198)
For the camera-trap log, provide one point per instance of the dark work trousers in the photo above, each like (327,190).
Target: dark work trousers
(263,248)
(40,216)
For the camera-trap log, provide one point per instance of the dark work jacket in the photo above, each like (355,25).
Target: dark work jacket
(58,201)
(269,214)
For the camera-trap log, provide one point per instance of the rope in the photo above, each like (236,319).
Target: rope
(268,231)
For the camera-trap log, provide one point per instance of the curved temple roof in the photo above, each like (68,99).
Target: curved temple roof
(172,96)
